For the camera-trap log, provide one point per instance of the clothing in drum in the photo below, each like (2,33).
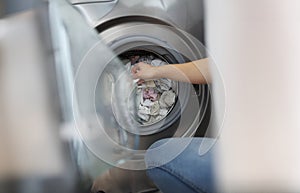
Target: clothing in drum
(154,98)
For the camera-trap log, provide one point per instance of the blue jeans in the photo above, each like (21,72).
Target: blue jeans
(189,172)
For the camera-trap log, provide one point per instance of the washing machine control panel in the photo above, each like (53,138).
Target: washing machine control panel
(89,1)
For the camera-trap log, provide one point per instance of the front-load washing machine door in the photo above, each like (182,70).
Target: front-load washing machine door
(81,58)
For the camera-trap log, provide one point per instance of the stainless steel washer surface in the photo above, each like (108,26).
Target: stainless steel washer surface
(187,15)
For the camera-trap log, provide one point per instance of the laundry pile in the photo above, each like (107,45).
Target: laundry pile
(155,98)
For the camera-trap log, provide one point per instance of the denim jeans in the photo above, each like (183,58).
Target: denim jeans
(189,172)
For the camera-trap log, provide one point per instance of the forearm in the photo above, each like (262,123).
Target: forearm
(195,72)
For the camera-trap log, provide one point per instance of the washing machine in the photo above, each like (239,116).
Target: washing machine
(97,91)
(170,30)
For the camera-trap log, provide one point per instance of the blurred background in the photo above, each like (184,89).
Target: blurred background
(34,158)
(65,125)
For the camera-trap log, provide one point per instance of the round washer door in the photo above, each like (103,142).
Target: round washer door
(110,135)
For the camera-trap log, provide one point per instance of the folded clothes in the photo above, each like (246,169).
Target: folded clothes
(167,99)
(150,93)
(163,84)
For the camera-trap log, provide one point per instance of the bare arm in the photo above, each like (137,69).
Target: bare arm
(195,72)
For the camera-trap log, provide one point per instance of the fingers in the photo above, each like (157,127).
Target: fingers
(141,71)
(141,81)
(136,70)
(135,75)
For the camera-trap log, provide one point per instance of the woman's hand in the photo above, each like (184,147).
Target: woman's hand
(196,72)
(144,71)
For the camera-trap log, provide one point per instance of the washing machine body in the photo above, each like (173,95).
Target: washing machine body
(172,30)
(166,29)
(187,15)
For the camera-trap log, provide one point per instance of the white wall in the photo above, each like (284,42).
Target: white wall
(256,46)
